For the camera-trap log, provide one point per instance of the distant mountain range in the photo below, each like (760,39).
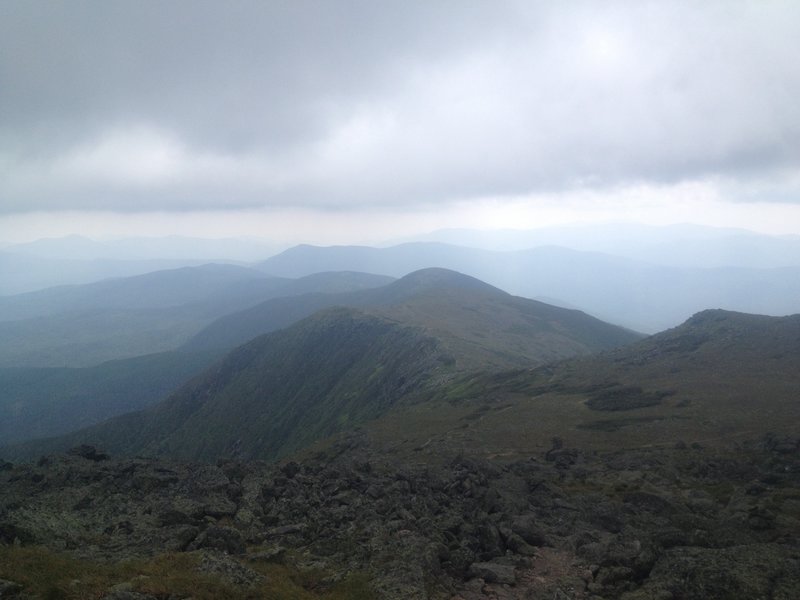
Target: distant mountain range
(207,311)
(341,366)
(67,367)
(447,303)
(75,326)
(158,289)
(680,245)
(76,260)
(672,245)
(210,309)
(632,293)
(718,375)
(20,273)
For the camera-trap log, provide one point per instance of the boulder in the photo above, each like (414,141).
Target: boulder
(9,589)
(88,452)
(529,530)
(228,568)
(492,572)
(224,539)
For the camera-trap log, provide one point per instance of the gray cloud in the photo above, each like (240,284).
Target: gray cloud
(193,105)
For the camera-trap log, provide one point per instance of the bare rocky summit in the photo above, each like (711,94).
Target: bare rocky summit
(668,523)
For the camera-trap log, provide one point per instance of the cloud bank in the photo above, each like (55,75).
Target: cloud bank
(197,106)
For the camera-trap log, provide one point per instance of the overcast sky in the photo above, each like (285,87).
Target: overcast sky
(336,121)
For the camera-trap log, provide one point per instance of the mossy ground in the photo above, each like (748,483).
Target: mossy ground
(53,576)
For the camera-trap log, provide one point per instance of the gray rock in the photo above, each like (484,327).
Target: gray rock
(217,506)
(515,543)
(490,540)
(493,572)
(88,452)
(9,589)
(228,568)
(286,530)
(180,537)
(270,554)
(224,539)
(750,571)
(529,530)
(418,528)
(126,595)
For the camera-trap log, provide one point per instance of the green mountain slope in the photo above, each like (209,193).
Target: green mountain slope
(488,329)
(718,377)
(341,366)
(46,401)
(333,371)
(282,391)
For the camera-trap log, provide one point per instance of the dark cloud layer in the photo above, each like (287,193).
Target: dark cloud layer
(191,105)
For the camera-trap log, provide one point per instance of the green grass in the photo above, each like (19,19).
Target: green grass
(50,576)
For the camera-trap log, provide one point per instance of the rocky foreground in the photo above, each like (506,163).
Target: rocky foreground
(666,523)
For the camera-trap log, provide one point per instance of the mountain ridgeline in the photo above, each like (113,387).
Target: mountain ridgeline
(282,391)
(719,377)
(498,329)
(85,325)
(342,366)
(626,291)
